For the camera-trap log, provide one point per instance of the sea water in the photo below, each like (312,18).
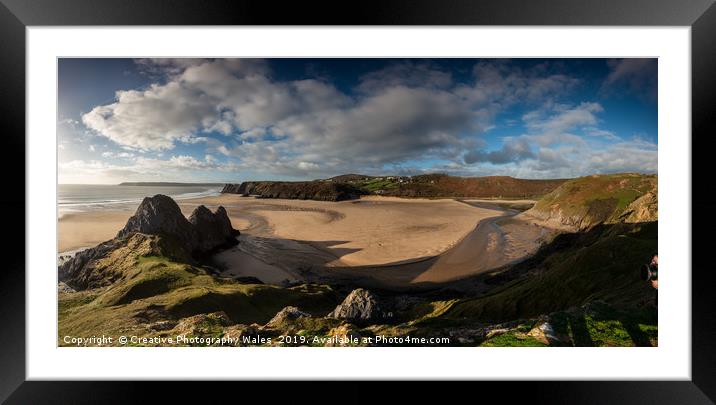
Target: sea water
(89,197)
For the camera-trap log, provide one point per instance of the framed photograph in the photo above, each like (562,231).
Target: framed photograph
(418,192)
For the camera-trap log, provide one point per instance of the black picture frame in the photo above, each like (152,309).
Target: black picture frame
(16,15)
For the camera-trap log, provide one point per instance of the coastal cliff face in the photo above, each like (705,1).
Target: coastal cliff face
(585,202)
(299,190)
(157,228)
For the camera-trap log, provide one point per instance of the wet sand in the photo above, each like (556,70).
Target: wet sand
(85,229)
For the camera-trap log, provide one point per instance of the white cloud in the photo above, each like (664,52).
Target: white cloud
(562,153)
(152,119)
(600,133)
(123,155)
(408,109)
(404,112)
(308,166)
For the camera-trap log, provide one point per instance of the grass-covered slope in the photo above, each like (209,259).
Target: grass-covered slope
(441,185)
(352,186)
(586,201)
(575,269)
(154,289)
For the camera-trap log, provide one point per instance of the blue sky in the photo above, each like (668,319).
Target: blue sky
(230,120)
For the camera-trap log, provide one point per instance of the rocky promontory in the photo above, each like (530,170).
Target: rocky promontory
(157,228)
(582,203)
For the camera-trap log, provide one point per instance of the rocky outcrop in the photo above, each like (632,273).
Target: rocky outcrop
(286,315)
(160,215)
(360,306)
(643,209)
(212,229)
(202,324)
(298,190)
(585,202)
(64,288)
(157,228)
(109,261)
(545,332)
(203,232)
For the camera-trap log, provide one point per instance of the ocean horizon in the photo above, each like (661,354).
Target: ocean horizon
(94,197)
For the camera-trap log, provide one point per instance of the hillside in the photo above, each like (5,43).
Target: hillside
(299,190)
(352,186)
(584,283)
(441,185)
(587,201)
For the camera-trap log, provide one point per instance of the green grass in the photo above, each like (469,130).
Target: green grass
(373,185)
(599,198)
(511,339)
(157,287)
(606,269)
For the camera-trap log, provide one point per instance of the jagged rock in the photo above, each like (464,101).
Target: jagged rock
(544,332)
(201,233)
(79,272)
(160,215)
(496,332)
(106,263)
(286,314)
(64,288)
(360,306)
(643,209)
(162,325)
(212,229)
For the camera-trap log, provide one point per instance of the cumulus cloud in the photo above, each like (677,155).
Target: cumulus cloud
(151,119)
(404,112)
(408,109)
(513,150)
(551,148)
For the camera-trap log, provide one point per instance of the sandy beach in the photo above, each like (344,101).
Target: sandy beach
(397,240)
